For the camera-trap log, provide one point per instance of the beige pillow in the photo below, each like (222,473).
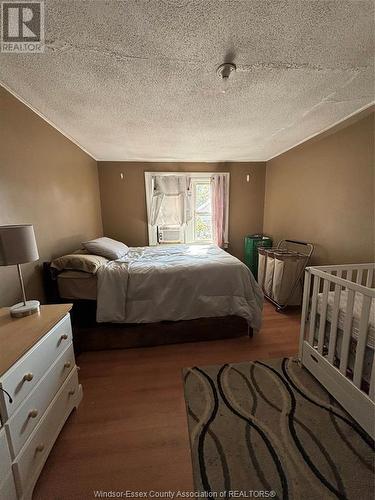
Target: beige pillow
(79,262)
(107,247)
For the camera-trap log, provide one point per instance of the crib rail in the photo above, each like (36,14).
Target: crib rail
(361,274)
(330,347)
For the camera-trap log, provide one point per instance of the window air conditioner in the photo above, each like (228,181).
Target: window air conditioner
(169,234)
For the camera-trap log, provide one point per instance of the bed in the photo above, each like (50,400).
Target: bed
(190,288)
(337,338)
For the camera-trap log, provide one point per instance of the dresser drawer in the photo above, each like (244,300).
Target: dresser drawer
(8,488)
(35,452)
(25,419)
(5,460)
(25,374)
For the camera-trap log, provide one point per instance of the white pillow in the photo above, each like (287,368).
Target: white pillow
(106,247)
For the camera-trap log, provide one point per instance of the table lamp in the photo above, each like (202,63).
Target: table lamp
(18,246)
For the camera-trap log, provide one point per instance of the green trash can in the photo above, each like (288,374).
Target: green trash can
(252,243)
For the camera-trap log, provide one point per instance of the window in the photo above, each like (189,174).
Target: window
(179,207)
(201,231)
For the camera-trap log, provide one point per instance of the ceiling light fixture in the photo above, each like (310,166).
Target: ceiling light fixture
(223,72)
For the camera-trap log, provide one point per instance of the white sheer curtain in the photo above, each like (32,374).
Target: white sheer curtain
(170,203)
(220,209)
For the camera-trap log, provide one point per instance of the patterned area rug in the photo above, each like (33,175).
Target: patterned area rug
(269,429)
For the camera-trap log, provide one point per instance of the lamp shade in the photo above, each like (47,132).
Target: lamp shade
(17,245)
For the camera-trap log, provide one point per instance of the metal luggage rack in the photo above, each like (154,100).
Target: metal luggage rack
(283,245)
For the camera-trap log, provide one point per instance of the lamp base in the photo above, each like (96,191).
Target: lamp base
(20,310)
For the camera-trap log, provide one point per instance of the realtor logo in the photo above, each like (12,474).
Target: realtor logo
(22,27)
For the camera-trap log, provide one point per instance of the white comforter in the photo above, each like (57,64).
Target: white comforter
(177,282)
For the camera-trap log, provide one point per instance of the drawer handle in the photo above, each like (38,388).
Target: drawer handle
(72,392)
(28,377)
(64,337)
(67,364)
(40,447)
(33,413)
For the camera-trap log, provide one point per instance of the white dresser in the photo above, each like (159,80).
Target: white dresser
(38,371)
(7,485)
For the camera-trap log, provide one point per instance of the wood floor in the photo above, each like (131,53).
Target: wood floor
(130,431)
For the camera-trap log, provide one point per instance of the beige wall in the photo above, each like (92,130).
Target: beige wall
(45,180)
(323,192)
(124,203)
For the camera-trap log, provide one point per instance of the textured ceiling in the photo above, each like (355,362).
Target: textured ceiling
(136,80)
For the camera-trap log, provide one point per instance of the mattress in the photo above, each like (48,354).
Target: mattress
(356,314)
(77,285)
(357,307)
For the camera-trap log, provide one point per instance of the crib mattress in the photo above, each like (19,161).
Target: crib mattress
(356,314)
(77,285)
(369,351)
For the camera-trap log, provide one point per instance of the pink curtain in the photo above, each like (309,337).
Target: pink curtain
(219,196)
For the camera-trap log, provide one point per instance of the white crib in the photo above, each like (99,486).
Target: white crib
(337,339)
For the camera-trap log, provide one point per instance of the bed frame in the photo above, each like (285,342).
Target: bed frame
(92,336)
(319,356)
